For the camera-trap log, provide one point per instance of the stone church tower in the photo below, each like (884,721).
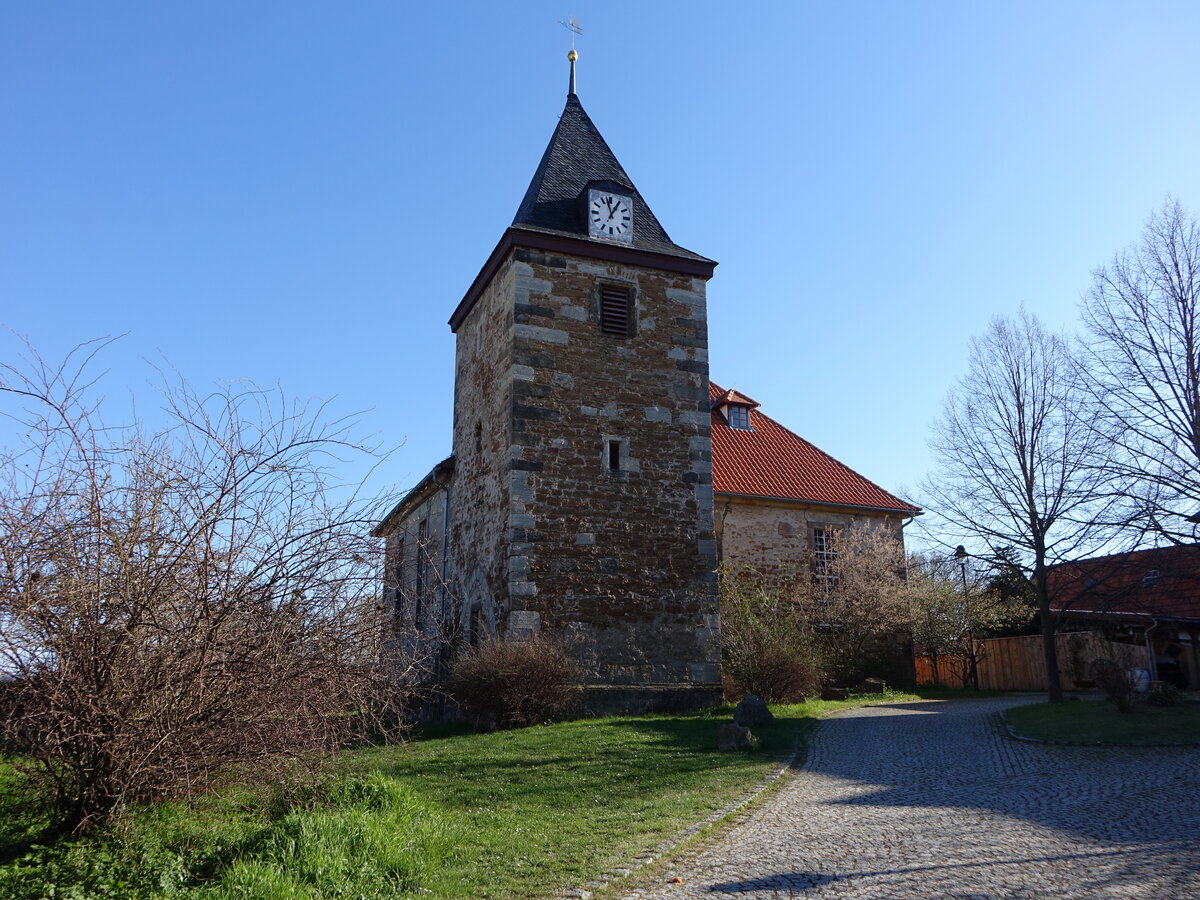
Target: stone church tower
(578,500)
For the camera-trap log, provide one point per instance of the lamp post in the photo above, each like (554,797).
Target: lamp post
(961,554)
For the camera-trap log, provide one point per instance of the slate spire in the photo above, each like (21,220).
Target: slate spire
(576,156)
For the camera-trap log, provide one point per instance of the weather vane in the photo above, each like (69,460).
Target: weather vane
(572,25)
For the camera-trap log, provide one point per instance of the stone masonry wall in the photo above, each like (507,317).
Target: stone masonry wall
(621,563)
(773,538)
(483,376)
(414,576)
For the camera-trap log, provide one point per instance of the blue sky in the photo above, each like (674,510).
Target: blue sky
(301,193)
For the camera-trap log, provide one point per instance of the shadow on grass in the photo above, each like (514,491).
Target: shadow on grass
(700,735)
(617,759)
(13,847)
(24,821)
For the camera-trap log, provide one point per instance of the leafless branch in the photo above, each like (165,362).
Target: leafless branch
(178,605)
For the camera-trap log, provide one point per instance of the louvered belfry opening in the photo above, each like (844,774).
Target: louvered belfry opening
(616,310)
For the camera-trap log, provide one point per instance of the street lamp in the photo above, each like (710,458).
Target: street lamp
(961,554)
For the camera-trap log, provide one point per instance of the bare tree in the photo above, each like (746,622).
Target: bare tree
(181,604)
(1016,459)
(1143,372)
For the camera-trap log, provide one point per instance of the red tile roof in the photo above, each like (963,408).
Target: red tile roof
(1159,582)
(773,462)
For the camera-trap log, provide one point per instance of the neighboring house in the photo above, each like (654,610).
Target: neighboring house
(1149,598)
(578,500)
(779,500)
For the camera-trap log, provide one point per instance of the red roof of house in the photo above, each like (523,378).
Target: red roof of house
(1162,582)
(776,463)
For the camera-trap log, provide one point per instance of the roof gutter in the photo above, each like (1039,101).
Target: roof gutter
(1128,614)
(1151,661)
(908,512)
(422,487)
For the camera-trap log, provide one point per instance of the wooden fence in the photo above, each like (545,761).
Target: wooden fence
(1018,663)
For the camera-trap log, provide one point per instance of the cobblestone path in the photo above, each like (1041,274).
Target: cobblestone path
(931,799)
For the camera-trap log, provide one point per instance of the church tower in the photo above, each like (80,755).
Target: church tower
(580,501)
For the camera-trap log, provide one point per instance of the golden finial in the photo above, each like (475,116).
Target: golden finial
(572,25)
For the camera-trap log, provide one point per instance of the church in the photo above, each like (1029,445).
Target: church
(597,476)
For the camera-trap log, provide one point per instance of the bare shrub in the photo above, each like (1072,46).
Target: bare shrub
(180,604)
(1114,682)
(514,684)
(1164,694)
(767,647)
(859,606)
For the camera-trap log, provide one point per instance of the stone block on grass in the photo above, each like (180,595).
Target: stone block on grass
(733,737)
(752,712)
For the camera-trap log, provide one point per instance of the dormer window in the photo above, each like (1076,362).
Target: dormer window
(735,408)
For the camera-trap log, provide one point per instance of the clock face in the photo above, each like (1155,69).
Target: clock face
(610,216)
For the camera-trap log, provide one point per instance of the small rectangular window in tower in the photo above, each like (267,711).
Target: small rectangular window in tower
(475,623)
(616,310)
(614,456)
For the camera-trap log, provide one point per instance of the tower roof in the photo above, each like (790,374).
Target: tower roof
(551,216)
(576,156)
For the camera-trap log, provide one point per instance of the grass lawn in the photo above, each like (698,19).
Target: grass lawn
(19,824)
(1098,722)
(516,814)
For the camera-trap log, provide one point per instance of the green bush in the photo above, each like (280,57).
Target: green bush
(363,837)
(92,869)
(767,649)
(514,684)
(369,838)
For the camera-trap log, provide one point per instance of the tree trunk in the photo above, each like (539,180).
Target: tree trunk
(1049,648)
